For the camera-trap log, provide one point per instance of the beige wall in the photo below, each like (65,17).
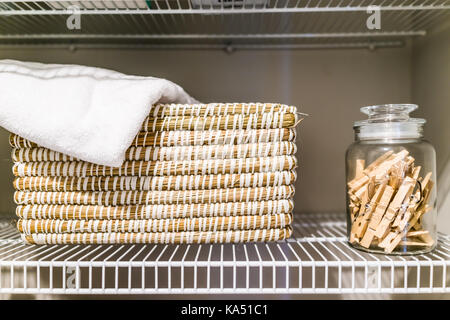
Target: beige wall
(431,90)
(330,85)
(6,177)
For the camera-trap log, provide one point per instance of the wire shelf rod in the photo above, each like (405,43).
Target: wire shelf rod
(222,11)
(214,36)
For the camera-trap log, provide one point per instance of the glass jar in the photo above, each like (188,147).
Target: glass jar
(391,183)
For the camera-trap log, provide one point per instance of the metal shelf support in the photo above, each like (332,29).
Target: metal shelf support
(217,10)
(317,259)
(255,24)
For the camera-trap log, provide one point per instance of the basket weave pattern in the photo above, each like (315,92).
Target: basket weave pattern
(205,173)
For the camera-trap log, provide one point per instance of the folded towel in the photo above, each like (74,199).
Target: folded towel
(89,113)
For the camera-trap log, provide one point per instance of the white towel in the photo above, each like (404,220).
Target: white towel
(89,113)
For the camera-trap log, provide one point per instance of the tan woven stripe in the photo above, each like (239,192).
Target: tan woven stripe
(211,109)
(192,138)
(243,180)
(274,120)
(155,225)
(249,150)
(164,237)
(156,168)
(86,212)
(112,198)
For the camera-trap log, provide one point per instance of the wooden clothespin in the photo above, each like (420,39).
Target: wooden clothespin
(386,166)
(403,192)
(363,178)
(360,214)
(376,216)
(408,201)
(392,244)
(362,221)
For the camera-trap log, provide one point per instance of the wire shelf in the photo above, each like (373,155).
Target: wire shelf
(201,24)
(317,259)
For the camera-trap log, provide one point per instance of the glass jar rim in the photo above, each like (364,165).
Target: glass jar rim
(389,113)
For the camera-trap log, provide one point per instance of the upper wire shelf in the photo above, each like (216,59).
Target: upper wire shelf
(219,23)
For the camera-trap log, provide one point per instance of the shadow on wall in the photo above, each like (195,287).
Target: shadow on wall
(7,206)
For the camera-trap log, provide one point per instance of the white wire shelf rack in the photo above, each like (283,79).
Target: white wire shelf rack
(316,260)
(247,24)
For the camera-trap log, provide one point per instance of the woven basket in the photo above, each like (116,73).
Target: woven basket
(156,168)
(193,174)
(211,109)
(274,120)
(244,180)
(249,150)
(192,138)
(163,237)
(120,198)
(155,225)
(83,212)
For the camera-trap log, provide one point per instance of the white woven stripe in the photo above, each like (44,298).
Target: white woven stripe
(153,225)
(211,109)
(162,197)
(244,180)
(154,211)
(194,138)
(171,153)
(157,168)
(171,237)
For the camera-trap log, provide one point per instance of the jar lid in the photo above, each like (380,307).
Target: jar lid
(389,121)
